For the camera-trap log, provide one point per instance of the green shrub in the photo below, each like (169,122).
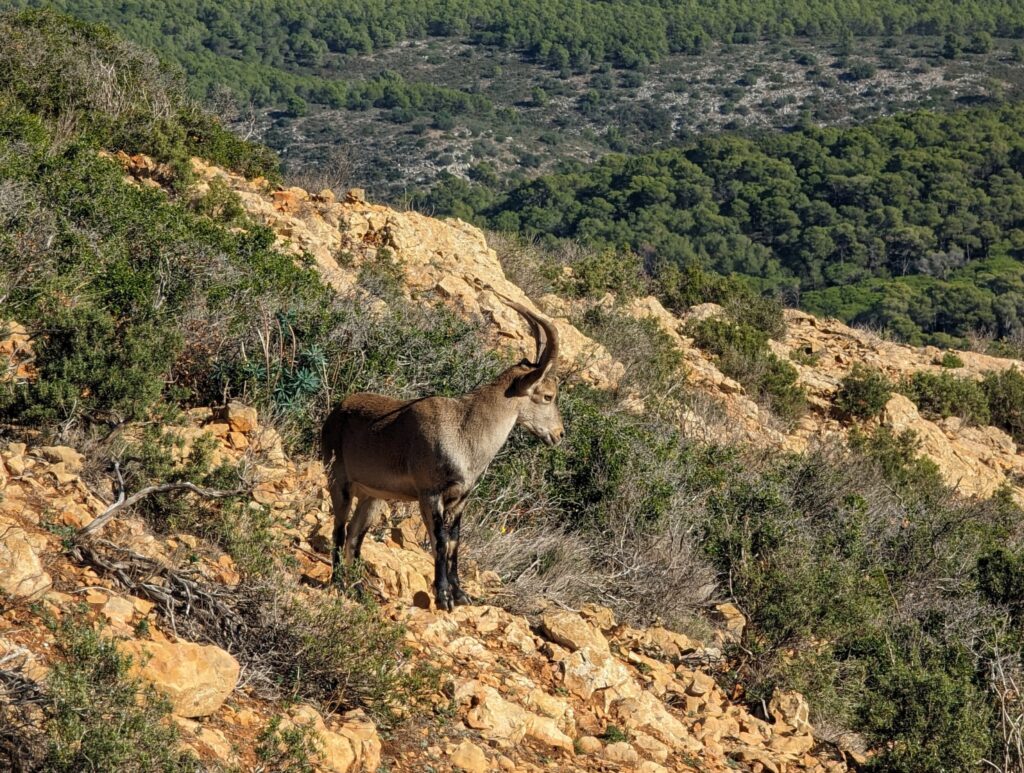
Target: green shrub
(340,653)
(291,750)
(98,718)
(925,704)
(951,360)
(743,354)
(681,288)
(114,94)
(653,362)
(596,273)
(1005,392)
(1001,579)
(942,395)
(232,524)
(863,393)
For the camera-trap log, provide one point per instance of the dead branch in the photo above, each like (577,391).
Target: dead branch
(163,488)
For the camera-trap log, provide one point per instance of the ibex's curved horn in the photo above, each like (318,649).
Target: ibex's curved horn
(547,350)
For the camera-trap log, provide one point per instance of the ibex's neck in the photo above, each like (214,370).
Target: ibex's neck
(490,417)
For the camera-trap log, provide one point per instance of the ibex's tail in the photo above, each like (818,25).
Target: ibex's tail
(329,435)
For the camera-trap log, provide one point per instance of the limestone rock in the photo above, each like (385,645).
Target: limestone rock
(71,459)
(572,631)
(241,418)
(197,678)
(22,576)
(622,753)
(469,757)
(353,747)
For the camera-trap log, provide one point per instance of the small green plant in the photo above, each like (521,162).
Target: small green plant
(382,274)
(743,354)
(1005,392)
(863,393)
(943,394)
(220,203)
(98,717)
(292,749)
(615,734)
(804,356)
(951,360)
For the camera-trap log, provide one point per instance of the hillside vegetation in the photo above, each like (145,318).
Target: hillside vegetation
(903,224)
(152,306)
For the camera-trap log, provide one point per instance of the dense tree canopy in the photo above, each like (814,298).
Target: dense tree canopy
(275,50)
(896,222)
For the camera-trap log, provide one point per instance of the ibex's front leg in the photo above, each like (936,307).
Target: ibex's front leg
(454,511)
(432,510)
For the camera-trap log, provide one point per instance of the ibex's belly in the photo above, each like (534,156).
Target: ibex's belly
(363,490)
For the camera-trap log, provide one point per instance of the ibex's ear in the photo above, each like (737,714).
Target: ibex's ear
(523,385)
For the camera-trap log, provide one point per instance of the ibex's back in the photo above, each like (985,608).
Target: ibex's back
(433,450)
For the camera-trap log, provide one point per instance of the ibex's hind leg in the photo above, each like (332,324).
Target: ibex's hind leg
(341,504)
(432,510)
(365,515)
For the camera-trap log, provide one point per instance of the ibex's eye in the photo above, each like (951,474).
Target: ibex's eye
(548,398)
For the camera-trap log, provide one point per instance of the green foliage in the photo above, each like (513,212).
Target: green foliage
(930,701)
(1005,392)
(951,360)
(347,654)
(597,273)
(829,556)
(288,750)
(1001,579)
(653,361)
(240,530)
(743,354)
(863,393)
(277,55)
(594,473)
(905,223)
(112,93)
(89,688)
(943,394)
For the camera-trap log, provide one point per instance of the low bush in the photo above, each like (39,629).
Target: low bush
(1005,392)
(654,364)
(99,718)
(943,394)
(862,394)
(334,651)
(743,354)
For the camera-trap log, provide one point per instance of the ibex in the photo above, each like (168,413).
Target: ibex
(433,450)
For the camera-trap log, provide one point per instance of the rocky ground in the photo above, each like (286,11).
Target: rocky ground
(567,690)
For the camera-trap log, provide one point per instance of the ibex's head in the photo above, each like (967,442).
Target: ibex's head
(537,387)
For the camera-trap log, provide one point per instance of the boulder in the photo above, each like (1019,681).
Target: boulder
(572,631)
(241,418)
(56,454)
(197,678)
(22,576)
(469,757)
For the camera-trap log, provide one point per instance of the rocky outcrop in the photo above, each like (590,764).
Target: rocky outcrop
(449,261)
(575,691)
(22,576)
(196,678)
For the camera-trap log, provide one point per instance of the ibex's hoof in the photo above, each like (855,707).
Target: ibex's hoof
(443,599)
(462,599)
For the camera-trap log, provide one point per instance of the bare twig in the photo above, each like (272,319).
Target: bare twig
(163,488)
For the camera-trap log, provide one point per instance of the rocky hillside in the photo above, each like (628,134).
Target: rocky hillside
(564,689)
(450,261)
